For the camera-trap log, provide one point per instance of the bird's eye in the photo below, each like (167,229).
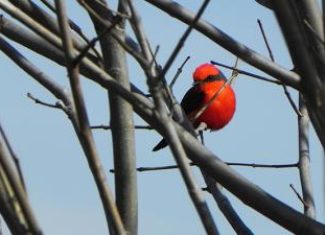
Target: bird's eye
(219,76)
(211,78)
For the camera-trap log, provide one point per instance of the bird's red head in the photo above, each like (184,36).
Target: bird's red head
(203,71)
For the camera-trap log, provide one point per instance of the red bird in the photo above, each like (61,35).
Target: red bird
(210,94)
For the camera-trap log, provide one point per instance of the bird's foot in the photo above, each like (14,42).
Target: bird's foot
(201,127)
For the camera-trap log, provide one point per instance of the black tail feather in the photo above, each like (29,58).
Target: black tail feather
(162,144)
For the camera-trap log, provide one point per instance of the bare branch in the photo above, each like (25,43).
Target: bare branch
(121,114)
(265,40)
(254,165)
(287,218)
(92,43)
(15,159)
(307,63)
(292,103)
(131,49)
(38,101)
(181,159)
(226,207)
(246,54)
(179,71)
(184,37)
(139,32)
(248,192)
(298,195)
(31,40)
(49,22)
(84,131)
(313,31)
(304,161)
(106,127)
(222,201)
(247,73)
(49,5)
(309,11)
(18,189)
(32,70)
(286,92)
(155,86)
(8,213)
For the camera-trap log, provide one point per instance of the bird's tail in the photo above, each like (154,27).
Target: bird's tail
(162,144)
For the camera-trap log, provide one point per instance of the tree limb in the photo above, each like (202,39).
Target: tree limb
(244,53)
(84,132)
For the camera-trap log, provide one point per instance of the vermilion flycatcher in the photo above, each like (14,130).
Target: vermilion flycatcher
(211,100)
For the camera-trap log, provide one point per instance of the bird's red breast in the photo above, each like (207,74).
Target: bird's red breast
(208,81)
(222,109)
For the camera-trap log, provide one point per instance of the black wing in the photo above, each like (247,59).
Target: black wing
(192,100)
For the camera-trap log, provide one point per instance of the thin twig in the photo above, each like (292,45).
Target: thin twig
(179,154)
(18,190)
(179,71)
(154,56)
(247,73)
(58,91)
(139,32)
(298,195)
(181,42)
(254,165)
(49,5)
(154,69)
(222,201)
(38,101)
(31,23)
(225,206)
(234,73)
(219,37)
(92,43)
(140,59)
(286,92)
(107,127)
(265,39)
(292,103)
(84,132)
(105,9)
(74,26)
(14,158)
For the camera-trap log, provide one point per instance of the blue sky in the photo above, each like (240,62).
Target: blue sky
(264,130)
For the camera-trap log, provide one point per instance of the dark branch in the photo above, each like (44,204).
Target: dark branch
(184,37)
(286,92)
(107,127)
(247,73)
(179,71)
(57,105)
(246,54)
(298,195)
(254,165)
